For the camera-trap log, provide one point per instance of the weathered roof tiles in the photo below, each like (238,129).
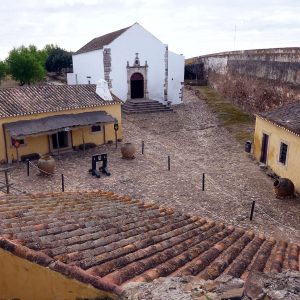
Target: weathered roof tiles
(28,100)
(108,240)
(286,116)
(101,41)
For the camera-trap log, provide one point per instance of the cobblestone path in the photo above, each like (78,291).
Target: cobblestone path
(196,144)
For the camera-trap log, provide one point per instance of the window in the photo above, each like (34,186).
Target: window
(96,128)
(17,142)
(283,153)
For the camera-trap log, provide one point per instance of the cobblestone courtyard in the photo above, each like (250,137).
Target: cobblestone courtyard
(196,143)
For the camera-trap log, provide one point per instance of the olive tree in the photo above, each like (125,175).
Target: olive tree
(3,70)
(26,64)
(58,59)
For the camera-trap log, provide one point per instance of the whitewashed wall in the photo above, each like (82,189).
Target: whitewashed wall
(123,49)
(135,40)
(176,77)
(88,64)
(71,79)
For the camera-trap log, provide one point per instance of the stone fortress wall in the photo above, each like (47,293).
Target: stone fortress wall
(255,80)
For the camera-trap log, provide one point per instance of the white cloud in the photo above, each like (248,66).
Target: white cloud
(190,27)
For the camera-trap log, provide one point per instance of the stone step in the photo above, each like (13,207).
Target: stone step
(144,106)
(142,103)
(146,111)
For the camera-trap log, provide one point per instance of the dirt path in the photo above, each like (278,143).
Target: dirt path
(196,143)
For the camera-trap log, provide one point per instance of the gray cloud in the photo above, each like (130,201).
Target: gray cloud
(190,27)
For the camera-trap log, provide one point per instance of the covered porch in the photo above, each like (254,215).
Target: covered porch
(55,134)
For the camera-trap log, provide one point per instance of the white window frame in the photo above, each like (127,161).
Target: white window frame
(287,153)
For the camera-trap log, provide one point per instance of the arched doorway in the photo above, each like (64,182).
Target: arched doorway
(137,86)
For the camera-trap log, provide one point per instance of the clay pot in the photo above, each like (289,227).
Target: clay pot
(46,164)
(128,150)
(283,187)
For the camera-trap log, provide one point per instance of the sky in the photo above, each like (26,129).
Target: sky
(189,27)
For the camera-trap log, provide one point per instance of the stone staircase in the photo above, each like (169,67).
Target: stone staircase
(135,106)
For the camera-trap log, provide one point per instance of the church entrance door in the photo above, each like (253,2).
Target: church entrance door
(137,86)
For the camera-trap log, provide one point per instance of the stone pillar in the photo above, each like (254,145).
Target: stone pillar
(181,92)
(107,66)
(166,74)
(146,94)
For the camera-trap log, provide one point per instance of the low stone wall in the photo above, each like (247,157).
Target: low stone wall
(255,80)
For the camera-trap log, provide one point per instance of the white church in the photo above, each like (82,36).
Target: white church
(134,63)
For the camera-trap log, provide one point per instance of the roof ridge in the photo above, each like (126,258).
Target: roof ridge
(46,85)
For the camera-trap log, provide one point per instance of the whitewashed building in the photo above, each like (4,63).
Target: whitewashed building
(134,63)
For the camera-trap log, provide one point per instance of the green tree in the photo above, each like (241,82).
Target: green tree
(3,70)
(58,59)
(26,65)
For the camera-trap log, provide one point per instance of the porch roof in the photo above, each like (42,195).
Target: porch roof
(55,123)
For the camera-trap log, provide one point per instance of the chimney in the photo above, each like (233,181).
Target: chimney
(103,91)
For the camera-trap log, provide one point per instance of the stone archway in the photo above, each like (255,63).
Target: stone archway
(137,80)
(137,86)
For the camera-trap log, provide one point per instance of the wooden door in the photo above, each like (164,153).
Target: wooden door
(264,148)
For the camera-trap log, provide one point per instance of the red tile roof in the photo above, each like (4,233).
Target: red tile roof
(108,240)
(49,98)
(101,41)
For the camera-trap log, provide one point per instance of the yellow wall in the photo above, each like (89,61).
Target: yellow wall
(40,144)
(24,280)
(91,137)
(276,136)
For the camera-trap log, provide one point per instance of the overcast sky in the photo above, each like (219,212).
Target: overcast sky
(190,27)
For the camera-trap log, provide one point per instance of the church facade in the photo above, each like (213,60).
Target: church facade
(135,64)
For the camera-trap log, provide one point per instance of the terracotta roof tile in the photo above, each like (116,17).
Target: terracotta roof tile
(101,41)
(286,116)
(49,98)
(108,240)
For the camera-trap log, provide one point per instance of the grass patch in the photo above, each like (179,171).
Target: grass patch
(239,123)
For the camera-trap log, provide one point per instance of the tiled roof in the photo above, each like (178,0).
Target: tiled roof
(287,116)
(101,41)
(28,100)
(108,240)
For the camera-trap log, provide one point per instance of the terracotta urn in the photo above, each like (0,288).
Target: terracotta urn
(46,164)
(284,188)
(128,150)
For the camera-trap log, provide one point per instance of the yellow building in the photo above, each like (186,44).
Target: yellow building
(55,118)
(277,141)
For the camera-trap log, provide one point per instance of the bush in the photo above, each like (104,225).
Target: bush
(58,59)
(26,65)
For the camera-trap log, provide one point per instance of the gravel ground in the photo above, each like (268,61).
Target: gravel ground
(196,144)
